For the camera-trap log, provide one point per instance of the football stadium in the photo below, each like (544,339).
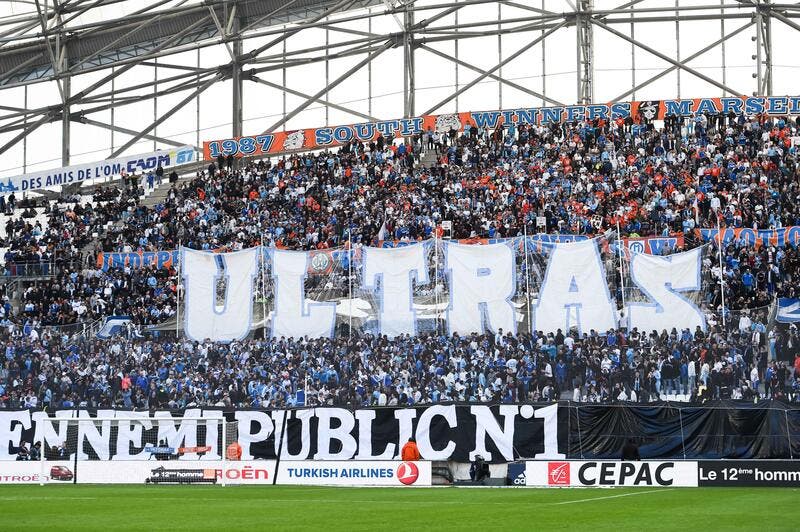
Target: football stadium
(399,264)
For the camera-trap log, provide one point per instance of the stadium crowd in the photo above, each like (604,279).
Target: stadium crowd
(582,177)
(370,370)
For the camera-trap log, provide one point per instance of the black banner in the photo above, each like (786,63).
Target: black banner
(757,473)
(459,432)
(498,433)
(722,429)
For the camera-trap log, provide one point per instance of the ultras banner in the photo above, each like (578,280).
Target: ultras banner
(510,285)
(326,137)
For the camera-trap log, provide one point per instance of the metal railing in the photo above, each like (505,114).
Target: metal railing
(29,269)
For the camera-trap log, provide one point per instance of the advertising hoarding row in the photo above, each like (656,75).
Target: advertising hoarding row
(541,474)
(298,472)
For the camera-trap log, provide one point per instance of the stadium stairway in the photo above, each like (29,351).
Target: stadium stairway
(150,199)
(429,158)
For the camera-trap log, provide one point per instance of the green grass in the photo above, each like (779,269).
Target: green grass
(315,508)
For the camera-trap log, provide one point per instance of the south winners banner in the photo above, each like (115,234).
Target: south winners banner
(639,111)
(129,164)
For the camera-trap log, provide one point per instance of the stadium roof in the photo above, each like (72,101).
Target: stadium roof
(80,36)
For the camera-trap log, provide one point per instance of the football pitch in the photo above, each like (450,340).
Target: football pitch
(329,508)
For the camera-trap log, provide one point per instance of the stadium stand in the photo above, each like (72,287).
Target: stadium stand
(654,180)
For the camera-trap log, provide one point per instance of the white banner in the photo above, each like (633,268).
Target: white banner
(611,473)
(662,279)
(129,164)
(133,472)
(574,291)
(219,293)
(481,287)
(355,473)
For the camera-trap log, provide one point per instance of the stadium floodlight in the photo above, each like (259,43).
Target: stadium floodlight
(136,448)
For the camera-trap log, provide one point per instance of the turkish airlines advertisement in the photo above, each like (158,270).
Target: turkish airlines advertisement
(611,473)
(355,473)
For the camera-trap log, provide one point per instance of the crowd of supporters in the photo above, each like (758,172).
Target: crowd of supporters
(620,365)
(581,177)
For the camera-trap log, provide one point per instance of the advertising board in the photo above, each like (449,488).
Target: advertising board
(355,473)
(137,471)
(611,474)
(755,473)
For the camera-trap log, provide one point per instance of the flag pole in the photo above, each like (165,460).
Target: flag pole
(721,269)
(527,277)
(436,277)
(350,283)
(178,290)
(620,253)
(263,287)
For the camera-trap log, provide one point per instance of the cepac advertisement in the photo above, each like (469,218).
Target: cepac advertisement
(355,473)
(611,474)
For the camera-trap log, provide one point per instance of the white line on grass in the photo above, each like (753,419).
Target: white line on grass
(661,490)
(47,497)
(335,501)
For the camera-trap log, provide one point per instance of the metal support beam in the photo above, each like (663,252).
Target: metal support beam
(237,84)
(704,50)
(333,84)
(129,66)
(585,51)
(763,55)
(226,23)
(164,117)
(497,67)
(666,58)
(320,100)
(29,128)
(495,77)
(65,123)
(286,34)
(126,131)
(409,81)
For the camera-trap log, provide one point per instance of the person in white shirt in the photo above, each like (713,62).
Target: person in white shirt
(691,374)
(704,373)
(754,379)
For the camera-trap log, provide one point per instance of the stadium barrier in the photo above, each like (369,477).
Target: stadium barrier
(359,473)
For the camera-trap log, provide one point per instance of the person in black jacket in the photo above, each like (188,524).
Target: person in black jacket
(630,451)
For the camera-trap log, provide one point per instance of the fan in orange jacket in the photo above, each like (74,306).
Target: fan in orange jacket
(234,451)
(410,452)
